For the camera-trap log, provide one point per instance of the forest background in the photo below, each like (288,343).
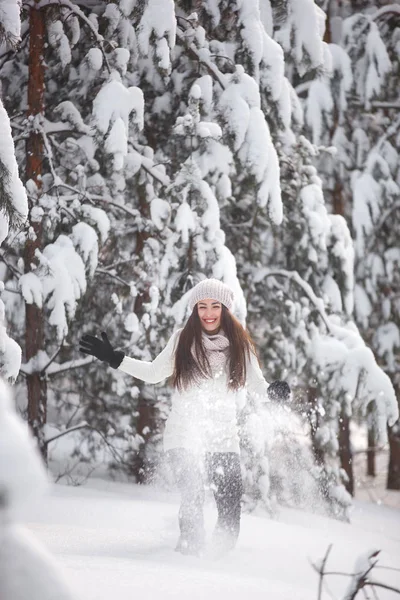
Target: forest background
(147,144)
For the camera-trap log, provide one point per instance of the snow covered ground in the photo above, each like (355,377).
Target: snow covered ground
(116,541)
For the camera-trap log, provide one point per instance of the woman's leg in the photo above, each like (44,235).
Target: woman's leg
(226,479)
(188,476)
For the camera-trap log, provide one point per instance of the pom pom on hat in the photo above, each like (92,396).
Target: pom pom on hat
(214,290)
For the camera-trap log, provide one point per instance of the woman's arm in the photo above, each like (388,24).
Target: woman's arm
(158,369)
(278,391)
(256,383)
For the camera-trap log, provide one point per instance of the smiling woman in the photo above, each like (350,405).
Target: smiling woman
(213,363)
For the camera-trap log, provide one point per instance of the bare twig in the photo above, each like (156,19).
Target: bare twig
(202,59)
(68,365)
(321,570)
(373,449)
(354,102)
(13,269)
(122,207)
(52,359)
(375,104)
(68,472)
(83,195)
(384,217)
(72,417)
(376,597)
(118,263)
(49,155)
(116,277)
(391,131)
(7,289)
(73,480)
(69,212)
(387,568)
(86,425)
(224,58)
(360,579)
(83,425)
(150,167)
(384,586)
(17,126)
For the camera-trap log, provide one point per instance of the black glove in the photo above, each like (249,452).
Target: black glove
(279,390)
(101,349)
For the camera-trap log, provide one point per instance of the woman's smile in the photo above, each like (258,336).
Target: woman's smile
(209,312)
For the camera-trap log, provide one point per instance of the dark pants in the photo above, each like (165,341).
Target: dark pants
(222,469)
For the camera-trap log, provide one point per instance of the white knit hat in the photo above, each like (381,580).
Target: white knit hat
(214,290)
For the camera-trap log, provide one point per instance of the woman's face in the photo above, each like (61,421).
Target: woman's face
(209,312)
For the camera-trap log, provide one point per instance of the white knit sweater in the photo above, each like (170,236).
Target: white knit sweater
(203,418)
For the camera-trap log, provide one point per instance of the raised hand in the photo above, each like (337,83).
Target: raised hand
(279,391)
(101,349)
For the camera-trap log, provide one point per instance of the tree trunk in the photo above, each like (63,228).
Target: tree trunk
(328,32)
(345,452)
(338,198)
(314,418)
(145,423)
(34,334)
(371,455)
(144,468)
(393,479)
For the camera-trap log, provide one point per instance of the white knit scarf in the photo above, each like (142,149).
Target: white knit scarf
(217,350)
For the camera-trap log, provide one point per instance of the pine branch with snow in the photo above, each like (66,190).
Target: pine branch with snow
(14,208)
(10,23)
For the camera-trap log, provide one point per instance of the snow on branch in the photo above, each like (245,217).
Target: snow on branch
(47,367)
(150,167)
(345,362)
(391,131)
(53,438)
(10,23)
(375,104)
(303,88)
(49,128)
(59,368)
(306,287)
(60,277)
(389,9)
(378,226)
(10,351)
(114,276)
(14,203)
(240,109)
(321,570)
(157,29)
(13,213)
(359,579)
(301,35)
(79,13)
(203,57)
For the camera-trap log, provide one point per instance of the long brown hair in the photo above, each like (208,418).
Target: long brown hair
(188,371)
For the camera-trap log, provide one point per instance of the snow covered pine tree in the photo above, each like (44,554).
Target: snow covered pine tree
(26,569)
(354,107)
